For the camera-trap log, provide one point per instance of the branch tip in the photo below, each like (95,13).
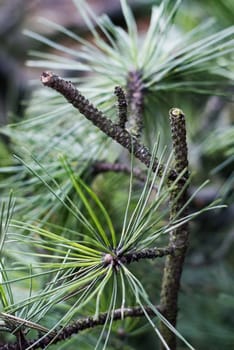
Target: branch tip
(176,112)
(46,76)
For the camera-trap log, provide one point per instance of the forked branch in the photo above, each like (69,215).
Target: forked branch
(113,130)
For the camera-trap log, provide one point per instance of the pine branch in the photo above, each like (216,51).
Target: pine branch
(150,253)
(81,325)
(116,259)
(179,237)
(120,135)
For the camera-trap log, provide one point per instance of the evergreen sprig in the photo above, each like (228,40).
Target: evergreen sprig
(73,259)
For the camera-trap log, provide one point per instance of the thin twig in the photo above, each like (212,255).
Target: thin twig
(81,325)
(103,167)
(150,253)
(115,259)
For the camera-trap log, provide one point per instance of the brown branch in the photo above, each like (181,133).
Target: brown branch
(104,167)
(116,259)
(81,325)
(120,135)
(179,236)
(150,253)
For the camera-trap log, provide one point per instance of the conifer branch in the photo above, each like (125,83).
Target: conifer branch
(116,259)
(179,236)
(81,325)
(149,253)
(113,130)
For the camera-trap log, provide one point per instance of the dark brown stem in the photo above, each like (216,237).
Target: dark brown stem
(120,135)
(150,253)
(81,325)
(117,259)
(135,102)
(179,236)
(122,106)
